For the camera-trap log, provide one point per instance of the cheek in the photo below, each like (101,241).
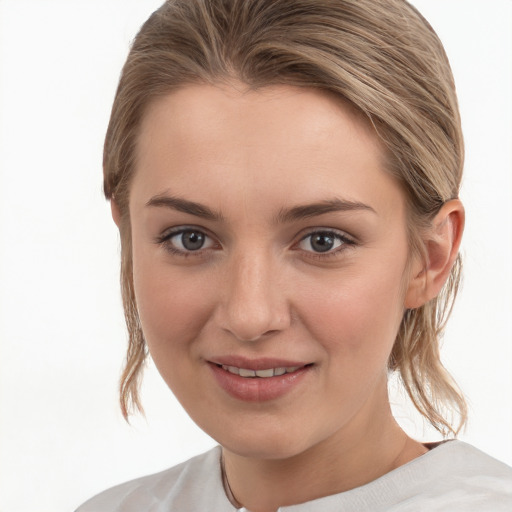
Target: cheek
(173,311)
(358,318)
(172,308)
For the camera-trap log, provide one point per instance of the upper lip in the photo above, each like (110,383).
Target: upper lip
(263,363)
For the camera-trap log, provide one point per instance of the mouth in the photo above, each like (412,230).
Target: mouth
(259,380)
(247,373)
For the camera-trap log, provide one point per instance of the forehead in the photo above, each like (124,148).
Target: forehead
(210,114)
(278,143)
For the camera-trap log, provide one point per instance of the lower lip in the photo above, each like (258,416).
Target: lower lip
(257,389)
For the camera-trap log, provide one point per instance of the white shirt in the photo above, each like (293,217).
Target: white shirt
(453,477)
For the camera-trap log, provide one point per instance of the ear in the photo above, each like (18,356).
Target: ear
(442,242)
(116,212)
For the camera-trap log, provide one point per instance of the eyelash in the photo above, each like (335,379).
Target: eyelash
(165,240)
(346,242)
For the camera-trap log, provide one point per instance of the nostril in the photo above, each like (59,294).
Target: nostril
(252,320)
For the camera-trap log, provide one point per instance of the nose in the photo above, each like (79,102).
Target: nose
(254,301)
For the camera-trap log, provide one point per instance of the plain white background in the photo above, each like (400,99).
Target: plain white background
(62,335)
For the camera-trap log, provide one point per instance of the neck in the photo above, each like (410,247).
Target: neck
(360,452)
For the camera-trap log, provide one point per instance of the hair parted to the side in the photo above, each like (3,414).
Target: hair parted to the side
(381,56)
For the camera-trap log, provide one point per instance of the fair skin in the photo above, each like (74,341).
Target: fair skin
(267,236)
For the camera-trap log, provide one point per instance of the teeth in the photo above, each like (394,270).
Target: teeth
(264,374)
(246,373)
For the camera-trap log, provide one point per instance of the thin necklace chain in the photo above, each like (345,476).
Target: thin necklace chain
(227,487)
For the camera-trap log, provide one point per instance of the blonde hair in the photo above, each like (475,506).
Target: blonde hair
(383,57)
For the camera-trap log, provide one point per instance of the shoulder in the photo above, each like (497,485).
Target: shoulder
(454,476)
(178,486)
(459,458)
(457,476)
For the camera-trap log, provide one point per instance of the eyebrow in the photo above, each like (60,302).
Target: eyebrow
(185,206)
(314,209)
(284,216)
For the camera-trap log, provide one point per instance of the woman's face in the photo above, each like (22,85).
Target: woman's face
(269,258)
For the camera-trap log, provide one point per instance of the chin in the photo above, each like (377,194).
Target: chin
(268,449)
(265,443)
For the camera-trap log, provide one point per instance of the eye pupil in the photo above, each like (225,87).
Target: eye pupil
(322,242)
(192,240)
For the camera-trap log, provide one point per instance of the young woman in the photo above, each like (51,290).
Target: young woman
(285,178)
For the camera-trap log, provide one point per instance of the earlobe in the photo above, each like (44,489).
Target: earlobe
(116,213)
(442,242)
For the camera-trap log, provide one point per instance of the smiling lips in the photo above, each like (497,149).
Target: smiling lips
(258,381)
(264,374)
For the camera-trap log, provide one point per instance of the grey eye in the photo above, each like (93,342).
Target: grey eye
(190,240)
(321,242)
